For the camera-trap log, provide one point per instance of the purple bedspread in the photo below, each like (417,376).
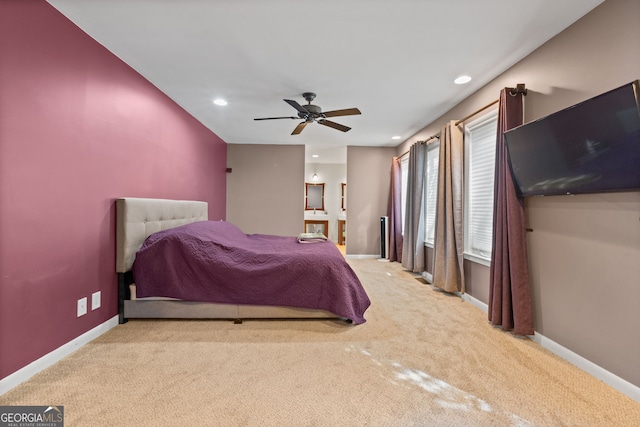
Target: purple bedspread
(215,261)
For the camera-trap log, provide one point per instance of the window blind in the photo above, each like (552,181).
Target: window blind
(404,169)
(431,191)
(480,144)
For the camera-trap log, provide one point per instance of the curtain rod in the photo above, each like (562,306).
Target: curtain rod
(477,111)
(513,91)
(520,88)
(421,142)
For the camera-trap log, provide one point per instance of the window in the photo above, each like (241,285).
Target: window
(431,192)
(480,149)
(404,170)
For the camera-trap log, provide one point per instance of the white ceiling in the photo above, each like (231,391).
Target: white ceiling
(395,60)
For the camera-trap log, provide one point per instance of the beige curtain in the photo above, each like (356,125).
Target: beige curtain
(448,273)
(413,253)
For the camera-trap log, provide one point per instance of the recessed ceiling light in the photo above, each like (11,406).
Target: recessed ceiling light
(314,156)
(462,80)
(219,101)
(396,137)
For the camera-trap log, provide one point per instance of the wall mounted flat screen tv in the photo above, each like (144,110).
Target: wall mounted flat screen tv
(592,147)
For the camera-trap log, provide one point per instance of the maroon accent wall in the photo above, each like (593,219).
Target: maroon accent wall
(79,128)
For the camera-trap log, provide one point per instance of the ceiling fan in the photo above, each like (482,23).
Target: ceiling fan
(312,113)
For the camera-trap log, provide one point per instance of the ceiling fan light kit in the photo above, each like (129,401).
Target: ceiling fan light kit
(313,113)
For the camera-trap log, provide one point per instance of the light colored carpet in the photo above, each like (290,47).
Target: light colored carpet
(424,358)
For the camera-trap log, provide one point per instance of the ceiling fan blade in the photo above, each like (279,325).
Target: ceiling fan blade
(297,106)
(334,125)
(345,112)
(299,128)
(276,118)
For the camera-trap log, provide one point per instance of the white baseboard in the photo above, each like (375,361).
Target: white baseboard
(623,386)
(361,256)
(474,301)
(589,367)
(55,356)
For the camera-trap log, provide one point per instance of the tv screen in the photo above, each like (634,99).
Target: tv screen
(592,147)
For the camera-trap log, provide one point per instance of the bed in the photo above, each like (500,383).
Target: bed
(213,282)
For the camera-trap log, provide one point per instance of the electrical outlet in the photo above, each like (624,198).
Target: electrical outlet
(95,300)
(82,306)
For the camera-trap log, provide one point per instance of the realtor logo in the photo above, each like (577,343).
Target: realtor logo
(31,416)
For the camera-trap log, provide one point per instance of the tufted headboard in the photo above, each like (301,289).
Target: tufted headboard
(137,218)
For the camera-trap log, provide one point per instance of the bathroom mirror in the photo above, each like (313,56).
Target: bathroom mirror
(314,196)
(343,196)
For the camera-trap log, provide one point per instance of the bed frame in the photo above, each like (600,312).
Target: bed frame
(136,219)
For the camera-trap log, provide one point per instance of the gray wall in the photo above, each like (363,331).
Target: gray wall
(368,181)
(584,251)
(265,189)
